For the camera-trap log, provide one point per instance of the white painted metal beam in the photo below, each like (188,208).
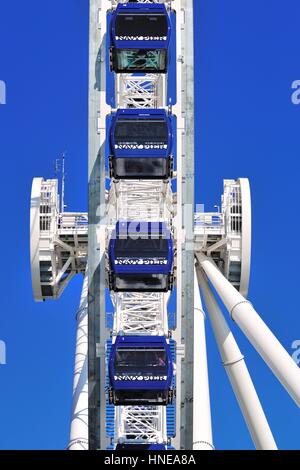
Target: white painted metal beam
(79,432)
(237,372)
(202,430)
(259,335)
(98,334)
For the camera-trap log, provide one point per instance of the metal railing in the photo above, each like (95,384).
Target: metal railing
(72,221)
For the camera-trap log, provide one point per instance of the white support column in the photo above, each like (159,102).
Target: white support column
(259,335)
(202,432)
(79,432)
(237,372)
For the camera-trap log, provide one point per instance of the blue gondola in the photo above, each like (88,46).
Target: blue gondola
(140,38)
(140,371)
(141,257)
(141,144)
(144,447)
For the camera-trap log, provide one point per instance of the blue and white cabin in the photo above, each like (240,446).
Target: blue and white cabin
(145,447)
(141,257)
(141,144)
(140,38)
(141,371)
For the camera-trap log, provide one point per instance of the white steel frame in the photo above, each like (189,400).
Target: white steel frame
(140,92)
(219,241)
(236,369)
(79,428)
(139,313)
(139,424)
(58,240)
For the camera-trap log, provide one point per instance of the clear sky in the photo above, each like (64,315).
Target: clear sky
(247,56)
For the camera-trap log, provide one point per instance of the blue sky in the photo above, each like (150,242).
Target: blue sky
(247,57)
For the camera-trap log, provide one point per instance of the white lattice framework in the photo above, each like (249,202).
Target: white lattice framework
(141,424)
(58,241)
(139,313)
(142,200)
(140,92)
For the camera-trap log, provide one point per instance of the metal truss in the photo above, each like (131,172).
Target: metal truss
(139,313)
(58,241)
(140,91)
(141,200)
(140,424)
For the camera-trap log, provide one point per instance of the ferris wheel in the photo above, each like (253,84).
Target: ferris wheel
(140,376)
